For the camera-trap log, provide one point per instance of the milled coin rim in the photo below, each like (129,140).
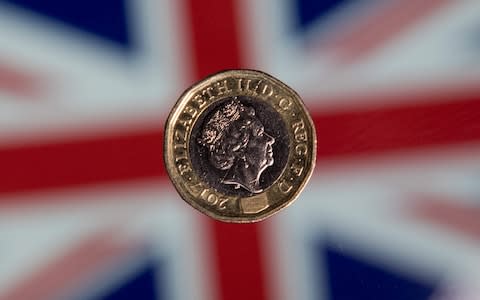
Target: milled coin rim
(177,179)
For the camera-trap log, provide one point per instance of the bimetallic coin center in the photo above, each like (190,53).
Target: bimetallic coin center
(239,146)
(237,143)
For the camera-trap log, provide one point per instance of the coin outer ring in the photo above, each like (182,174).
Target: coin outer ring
(301,156)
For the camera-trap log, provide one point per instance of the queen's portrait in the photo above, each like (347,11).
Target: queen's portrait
(237,143)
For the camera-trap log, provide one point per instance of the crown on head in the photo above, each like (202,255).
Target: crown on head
(221,120)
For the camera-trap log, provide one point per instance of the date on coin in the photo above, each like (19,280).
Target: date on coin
(239,146)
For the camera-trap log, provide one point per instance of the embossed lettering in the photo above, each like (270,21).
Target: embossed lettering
(213,199)
(301,149)
(299,131)
(297,170)
(222,204)
(255,89)
(285,103)
(208,91)
(222,87)
(179,136)
(183,168)
(199,101)
(180,152)
(185,122)
(267,90)
(180,146)
(190,111)
(244,85)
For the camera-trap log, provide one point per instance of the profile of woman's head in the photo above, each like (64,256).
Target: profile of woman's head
(236,142)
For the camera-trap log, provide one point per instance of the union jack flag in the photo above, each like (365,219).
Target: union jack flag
(392,211)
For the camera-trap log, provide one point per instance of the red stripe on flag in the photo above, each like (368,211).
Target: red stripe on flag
(214,33)
(240,260)
(95,160)
(237,252)
(426,123)
(341,134)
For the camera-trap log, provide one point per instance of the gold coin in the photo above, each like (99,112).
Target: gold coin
(239,146)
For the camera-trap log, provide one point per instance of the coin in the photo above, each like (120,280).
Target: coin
(239,146)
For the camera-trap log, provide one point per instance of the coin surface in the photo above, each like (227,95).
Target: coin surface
(239,146)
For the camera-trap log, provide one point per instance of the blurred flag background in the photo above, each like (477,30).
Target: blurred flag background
(393,208)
